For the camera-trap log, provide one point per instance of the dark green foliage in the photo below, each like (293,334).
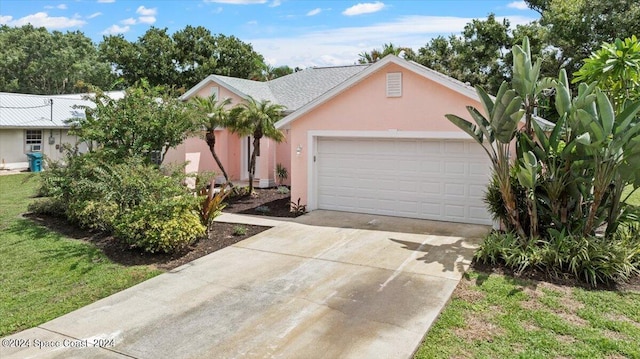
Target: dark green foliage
(180,60)
(560,197)
(34,60)
(592,259)
(146,120)
(142,206)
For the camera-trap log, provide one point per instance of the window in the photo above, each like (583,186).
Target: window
(394,84)
(33,140)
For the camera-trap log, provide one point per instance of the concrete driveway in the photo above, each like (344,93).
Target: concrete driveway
(294,291)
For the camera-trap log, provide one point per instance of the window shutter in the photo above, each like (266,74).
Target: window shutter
(394,84)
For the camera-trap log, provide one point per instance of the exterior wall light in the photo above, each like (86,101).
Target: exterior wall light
(298,150)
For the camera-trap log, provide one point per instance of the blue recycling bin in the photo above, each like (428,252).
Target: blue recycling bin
(35,161)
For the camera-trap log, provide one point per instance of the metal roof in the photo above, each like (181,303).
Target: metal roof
(37,111)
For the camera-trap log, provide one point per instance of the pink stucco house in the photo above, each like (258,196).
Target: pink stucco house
(363,138)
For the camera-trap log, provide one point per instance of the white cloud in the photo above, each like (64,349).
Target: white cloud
(128,21)
(147,19)
(237,2)
(106,1)
(95,14)
(116,29)
(42,19)
(147,11)
(341,46)
(275,3)
(364,8)
(62,6)
(315,11)
(520,5)
(252,22)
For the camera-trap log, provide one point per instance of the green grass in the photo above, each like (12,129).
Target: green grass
(44,274)
(496,316)
(635,197)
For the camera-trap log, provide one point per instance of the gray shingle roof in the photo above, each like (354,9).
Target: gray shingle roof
(34,111)
(293,91)
(256,89)
(302,87)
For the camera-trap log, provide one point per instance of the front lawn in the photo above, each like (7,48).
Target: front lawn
(497,316)
(45,274)
(634,199)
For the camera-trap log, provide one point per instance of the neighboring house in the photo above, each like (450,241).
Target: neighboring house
(36,123)
(371,139)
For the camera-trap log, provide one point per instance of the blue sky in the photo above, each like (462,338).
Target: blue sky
(286,32)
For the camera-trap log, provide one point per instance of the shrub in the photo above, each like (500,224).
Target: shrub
(93,214)
(239,230)
(281,173)
(593,259)
(49,206)
(211,204)
(263,209)
(168,225)
(283,190)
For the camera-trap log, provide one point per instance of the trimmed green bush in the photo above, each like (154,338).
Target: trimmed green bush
(168,225)
(142,206)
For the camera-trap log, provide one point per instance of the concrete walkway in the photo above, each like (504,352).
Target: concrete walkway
(293,291)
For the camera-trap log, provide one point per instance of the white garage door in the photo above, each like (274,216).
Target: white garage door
(431,179)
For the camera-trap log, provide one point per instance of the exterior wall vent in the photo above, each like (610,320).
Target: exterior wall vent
(394,84)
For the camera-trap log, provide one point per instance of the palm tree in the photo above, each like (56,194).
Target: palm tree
(213,114)
(377,54)
(256,118)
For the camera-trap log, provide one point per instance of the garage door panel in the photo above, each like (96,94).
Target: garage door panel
(430,179)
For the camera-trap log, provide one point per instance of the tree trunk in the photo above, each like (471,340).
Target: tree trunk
(211,141)
(252,163)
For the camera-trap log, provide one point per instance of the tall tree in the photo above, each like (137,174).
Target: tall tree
(256,118)
(212,114)
(150,57)
(387,49)
(34,60)
(616,68)
(476,56)
(195,48)
(182,59)
(578,27)
(146,121)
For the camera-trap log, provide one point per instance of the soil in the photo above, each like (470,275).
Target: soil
(221,237)
(535,277)
(265,202)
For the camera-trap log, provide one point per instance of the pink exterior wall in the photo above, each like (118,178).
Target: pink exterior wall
(283,155)
(228,147)
(365,107)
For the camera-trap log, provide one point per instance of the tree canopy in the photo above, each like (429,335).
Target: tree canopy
(146,121)
(182,59)
(34,60)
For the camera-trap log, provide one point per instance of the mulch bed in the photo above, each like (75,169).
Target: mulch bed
(265,202)
(222,235)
